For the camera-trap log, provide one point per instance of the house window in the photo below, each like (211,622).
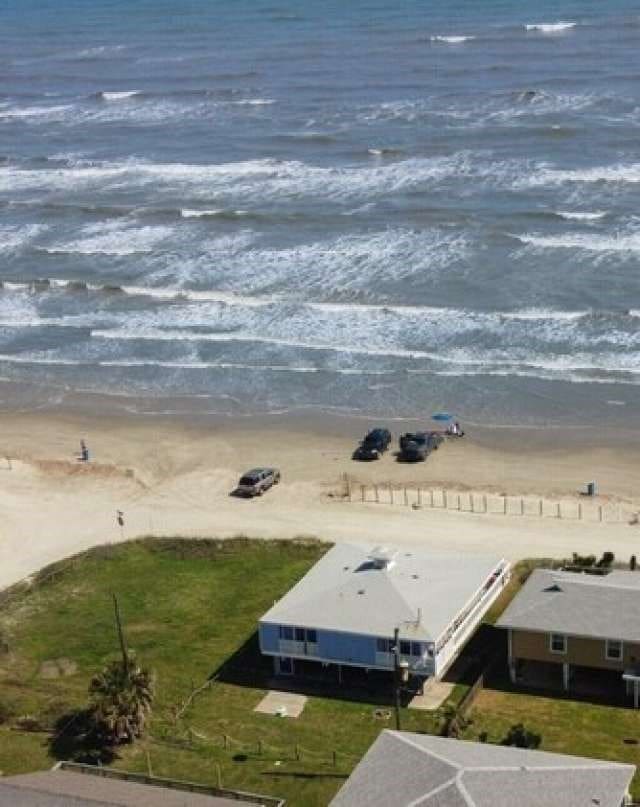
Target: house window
(384,645)
(299,634)
(405,648)
(613,650)
(312,636)
(558,643)
(286,632)
(416,649)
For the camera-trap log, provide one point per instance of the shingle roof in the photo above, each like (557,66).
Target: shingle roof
(401,768)
(606,607)
(422,592)
(60,788)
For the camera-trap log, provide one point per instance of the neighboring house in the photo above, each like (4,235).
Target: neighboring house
(576,621)
(405,769)
(71,784)
(345,610)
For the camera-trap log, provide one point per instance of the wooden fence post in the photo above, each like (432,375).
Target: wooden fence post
(406,498)
(375,491)
(431,497)
(521,506)
(504,505)
(541,507)
(444,498)
(485,502)
(362,489)
(600,512)
(559,510)
(391,494)
(420,497)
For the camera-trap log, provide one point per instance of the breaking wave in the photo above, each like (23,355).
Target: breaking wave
(550,27)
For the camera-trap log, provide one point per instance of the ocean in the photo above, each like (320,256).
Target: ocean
(370,208)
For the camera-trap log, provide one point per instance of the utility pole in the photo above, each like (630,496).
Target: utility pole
(123,647)
(396,675)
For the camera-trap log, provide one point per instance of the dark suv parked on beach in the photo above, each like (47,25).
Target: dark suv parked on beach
(375,443)
(416,446)
(256,481)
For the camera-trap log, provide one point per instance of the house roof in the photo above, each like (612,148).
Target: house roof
(403,768)
(606,606)
(365,590)
(62,788)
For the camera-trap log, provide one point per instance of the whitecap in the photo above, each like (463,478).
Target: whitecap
(550,27)
(577,215)
(121,95)
(452,40)
(187,213)
(615,242)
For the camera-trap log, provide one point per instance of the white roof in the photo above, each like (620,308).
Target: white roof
(419,591)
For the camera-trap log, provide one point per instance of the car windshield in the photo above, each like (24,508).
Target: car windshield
(248,480)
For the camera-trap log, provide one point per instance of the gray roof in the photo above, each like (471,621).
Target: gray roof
(606,607)
(60,788)
(401,768)
(420,591)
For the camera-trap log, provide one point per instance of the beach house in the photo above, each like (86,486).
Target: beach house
(403,769)
(576,630)
(346,610)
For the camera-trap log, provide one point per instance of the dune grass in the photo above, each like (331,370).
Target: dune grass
(188,607)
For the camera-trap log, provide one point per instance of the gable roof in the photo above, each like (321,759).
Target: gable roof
(403,768)
(421,592)
(605,607)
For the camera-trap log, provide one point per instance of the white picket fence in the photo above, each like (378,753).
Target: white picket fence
(574,509)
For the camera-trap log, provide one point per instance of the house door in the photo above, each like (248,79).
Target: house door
(285,666)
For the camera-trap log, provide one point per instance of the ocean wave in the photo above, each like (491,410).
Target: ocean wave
(41,112)
(189,213)
(266,179)
(550,27)
(118,95)
(544,175)
(577,215)
(13,237)
(451,40)
(616,242)
(116,240)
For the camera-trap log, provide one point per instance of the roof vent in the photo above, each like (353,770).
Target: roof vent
(360,591)
(382,557)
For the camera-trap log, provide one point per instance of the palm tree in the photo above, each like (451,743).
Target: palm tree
(122,694)
(121,699)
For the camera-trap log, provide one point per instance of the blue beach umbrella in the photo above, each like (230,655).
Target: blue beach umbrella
(442,417)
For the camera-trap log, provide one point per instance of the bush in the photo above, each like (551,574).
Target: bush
(520,737)
(606,560)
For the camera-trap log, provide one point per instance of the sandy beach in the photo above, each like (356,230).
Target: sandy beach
(173,476)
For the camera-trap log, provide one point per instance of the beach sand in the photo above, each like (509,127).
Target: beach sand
(173,476)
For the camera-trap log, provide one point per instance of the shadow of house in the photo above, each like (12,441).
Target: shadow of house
(76,738)
(248,667)
(486,649)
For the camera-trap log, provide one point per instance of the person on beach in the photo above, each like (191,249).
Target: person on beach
(83,456)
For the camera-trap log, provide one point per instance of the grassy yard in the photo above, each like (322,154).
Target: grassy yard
(565,726)
(188,607)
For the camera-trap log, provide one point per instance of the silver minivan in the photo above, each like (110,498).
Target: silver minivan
(256,481)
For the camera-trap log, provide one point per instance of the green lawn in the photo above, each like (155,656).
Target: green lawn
(565,726)
(187,607)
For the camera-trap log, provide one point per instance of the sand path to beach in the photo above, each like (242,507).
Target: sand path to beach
(171,479)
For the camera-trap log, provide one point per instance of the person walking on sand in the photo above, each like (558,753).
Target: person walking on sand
(83,456)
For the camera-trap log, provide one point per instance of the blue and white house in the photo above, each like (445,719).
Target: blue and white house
(345,610)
